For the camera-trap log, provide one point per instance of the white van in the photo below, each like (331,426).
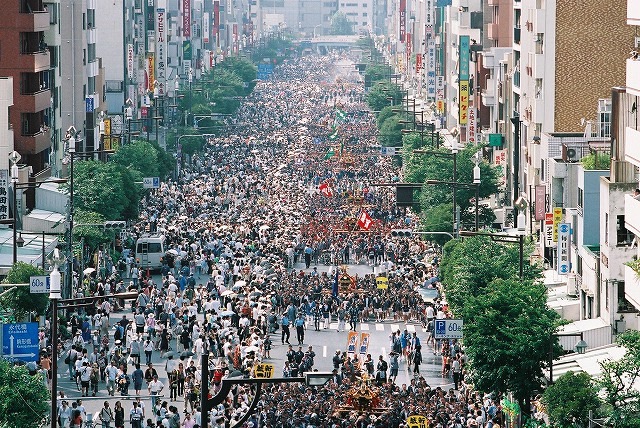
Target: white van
(150,249)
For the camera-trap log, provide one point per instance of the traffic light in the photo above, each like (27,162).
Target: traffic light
(114,225)
(402,233)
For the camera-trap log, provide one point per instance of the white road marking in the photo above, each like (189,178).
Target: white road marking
(379,327)
(364,327)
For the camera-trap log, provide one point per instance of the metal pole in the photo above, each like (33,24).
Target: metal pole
(204,388)
(521,243)
(477,197)
(15,221)
(70,244)
(54,363)
(455,173)
(43,250)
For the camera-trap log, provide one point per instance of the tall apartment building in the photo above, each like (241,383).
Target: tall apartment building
(53,41)
(82,95)
(359,13)
(6,130)
(25,57)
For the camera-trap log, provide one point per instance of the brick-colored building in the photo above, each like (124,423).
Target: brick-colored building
(25,57)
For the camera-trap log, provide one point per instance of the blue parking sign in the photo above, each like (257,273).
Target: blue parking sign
(20,341)
(441,328)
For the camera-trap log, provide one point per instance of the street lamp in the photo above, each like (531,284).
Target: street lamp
(15,157)
(580,347)
(54,295)
(71,147)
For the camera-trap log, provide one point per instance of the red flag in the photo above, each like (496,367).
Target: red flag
(364,220)
(325,190)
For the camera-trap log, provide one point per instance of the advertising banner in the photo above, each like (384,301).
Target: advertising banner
(403,19)
(540,202)
(352,343)
(186,18)
(205,27)
(463,111)
(161,47)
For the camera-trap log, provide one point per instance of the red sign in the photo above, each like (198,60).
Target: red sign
(186,18)
(418,63)
(540,202)
(216,21)
(403,19)
(364,220)
(409,46)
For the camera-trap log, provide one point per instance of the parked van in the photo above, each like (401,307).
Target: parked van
(150,249)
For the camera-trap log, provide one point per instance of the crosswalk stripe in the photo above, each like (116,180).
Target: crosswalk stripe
(395,327)
(364,327)
(379,327)
(324,351)
(333,326)
(411,328)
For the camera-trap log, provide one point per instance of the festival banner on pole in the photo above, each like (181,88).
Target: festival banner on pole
(364,345)
(352,343)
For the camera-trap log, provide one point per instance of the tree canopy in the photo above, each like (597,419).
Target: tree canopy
(340,25)
(20,301)
(24,397)
(569,400)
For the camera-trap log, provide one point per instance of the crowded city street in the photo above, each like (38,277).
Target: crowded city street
(273,240)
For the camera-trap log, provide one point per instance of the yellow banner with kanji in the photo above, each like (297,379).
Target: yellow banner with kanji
(417,421)
(463,113)
(382,282)
(352,343)
(263,371)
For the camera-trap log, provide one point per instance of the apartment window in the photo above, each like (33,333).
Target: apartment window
(623,236)
(91,84)
(53,13)
(606,228)
(91,52)
(580,201)
(364,14)
(91,18)
(604,117)
(579,265)
(84,21)
(364,5)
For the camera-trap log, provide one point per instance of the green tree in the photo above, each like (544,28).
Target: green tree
(507,332)
(25,400)
(340,25)
(20,301)
(619,380)
(473,263)
(391,132)
(92,235)
(569,400)
(376,73)
(596,161)
(100,187)
(384,94)
(139,157)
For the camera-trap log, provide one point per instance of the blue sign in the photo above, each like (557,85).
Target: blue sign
(20,341)
(88,102)
(464,57)
(441,328)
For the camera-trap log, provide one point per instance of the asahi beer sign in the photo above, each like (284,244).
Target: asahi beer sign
(161,47)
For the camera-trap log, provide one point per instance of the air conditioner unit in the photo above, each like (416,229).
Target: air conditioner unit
(501,127)
(569,154)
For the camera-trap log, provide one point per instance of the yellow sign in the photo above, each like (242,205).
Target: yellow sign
(107,127)
(440,104)
(463,112)
(417,421)
(151,71)
(557,219)
(382,282)
(115,143)
(263,371)
(106,141)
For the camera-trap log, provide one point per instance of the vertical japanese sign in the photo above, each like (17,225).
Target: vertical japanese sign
(151,72)
(429,18)
(557,218)
(364,345)
(235,38)
(408,47)
(403,19)
(4,194)
(161,47)
(463,80)
(471,135)
(548,230)
(431,70)
(564,253)
(418,63)
(440,93)
(186,18)
(540,202)
(130,56)
(352,343)
(216,23)
(205,27)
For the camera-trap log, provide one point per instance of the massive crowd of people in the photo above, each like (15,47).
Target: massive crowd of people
(238,219)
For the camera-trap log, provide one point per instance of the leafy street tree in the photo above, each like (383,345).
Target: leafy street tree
(507,332)
(619,382)
(20,301)
(24,397)
(377,98)
(100,187)
(569,400)
(391,132)
(340,25)
(140,157)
